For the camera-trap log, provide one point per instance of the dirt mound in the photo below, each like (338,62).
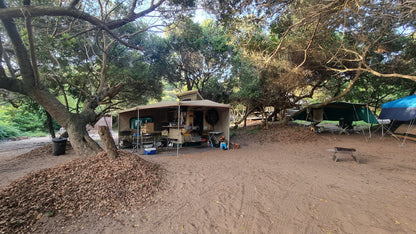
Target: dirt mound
(97,184)
(42,151)
(275,133)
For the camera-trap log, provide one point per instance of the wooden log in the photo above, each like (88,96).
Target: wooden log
(108,141)
(407,137)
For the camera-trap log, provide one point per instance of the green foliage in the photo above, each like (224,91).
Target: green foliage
(29,120)
(375,91)
(248,82)
(73,66)
(7,131)
(294,49)
(196,57)
(137,70)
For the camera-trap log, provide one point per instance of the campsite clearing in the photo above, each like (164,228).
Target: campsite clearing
(286,185)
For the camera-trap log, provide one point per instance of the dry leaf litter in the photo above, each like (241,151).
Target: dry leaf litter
(274,133)
(96,184)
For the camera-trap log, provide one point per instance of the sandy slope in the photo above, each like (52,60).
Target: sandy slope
(276,188)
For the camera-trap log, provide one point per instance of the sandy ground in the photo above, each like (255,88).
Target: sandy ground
(273,188)
(13,166)
(11,149)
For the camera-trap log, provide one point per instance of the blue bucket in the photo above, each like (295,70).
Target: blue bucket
(223,145)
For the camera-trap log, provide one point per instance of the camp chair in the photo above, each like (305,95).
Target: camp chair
(345,126)
(385,126)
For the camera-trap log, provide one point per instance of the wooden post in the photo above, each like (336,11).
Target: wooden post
(108,141)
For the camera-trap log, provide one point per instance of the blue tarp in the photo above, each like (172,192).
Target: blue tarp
(403,109)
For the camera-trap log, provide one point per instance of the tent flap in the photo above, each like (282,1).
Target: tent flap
(403,109)
(341,110)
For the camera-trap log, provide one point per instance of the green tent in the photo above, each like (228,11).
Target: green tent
(338,111)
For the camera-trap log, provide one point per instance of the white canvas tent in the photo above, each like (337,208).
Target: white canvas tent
(174,115)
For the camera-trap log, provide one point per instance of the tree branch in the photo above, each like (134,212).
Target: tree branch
(346,90)
(103,66)
(4,53)
(34,11)
(11,84)
(73,3)
(29,28)
(309,45)
(390,75)
(19,48)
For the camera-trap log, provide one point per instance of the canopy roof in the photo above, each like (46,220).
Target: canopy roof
(337,111)
(168,104)
(403,109)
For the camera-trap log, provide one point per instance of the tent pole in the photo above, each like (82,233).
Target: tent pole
(138,130)
(407,131)
(388,131)
(368,118)
(118,136)
(179,119)
(228,129)
(356,116)
(382,129)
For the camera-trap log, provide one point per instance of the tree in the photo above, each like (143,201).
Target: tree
(198,57)
(91,18)
(284,79)
(314,42)
(372,90)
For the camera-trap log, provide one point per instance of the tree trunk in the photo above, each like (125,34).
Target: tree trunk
(108,141)
(247,112)
(49,122)
(75,124)
(82,143)
(266,121)
(29,82)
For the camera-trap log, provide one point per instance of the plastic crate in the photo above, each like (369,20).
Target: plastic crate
(149,151)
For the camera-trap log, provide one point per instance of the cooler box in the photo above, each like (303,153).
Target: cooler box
(148,151)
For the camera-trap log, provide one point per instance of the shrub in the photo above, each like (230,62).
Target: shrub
(8,131)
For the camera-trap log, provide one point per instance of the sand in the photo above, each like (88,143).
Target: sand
(275,188)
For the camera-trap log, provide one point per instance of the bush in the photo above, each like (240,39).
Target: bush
(8,132)
(28,120)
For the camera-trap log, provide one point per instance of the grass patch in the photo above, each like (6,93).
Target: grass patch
(35,134)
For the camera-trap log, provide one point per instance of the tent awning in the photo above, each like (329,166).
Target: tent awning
(403,109)
(169,104)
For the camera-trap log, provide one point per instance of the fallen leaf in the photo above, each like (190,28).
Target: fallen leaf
(97,183)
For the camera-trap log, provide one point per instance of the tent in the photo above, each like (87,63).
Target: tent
(403,109)
(183,121)
(347,112)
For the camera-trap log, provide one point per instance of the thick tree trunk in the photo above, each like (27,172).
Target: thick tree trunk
(82,143)
(75,124)
(49,122)
(108,141)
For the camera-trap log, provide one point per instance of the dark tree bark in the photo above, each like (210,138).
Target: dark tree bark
(108,141)
(49,122)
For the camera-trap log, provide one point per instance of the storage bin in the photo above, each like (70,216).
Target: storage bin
(149,151)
